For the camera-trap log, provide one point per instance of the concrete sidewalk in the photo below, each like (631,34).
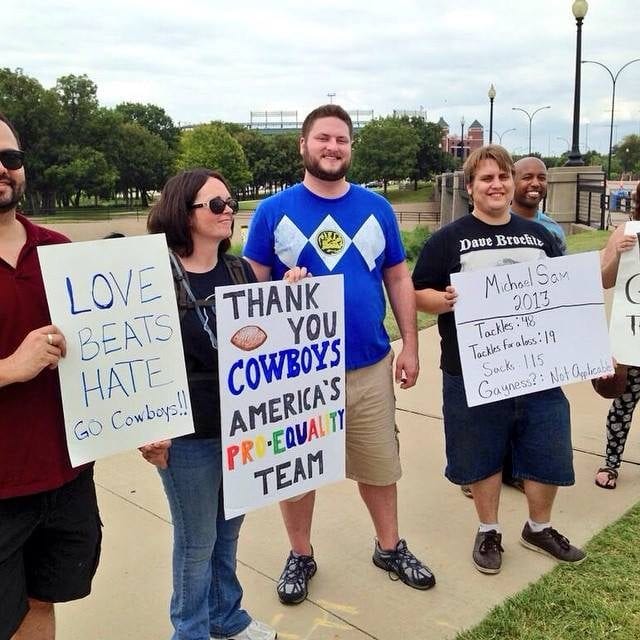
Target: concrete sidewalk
(350,598)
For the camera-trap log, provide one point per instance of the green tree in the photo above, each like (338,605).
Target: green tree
(430,159)
(628,153)
(81,169)
(143,160)
(78,100)
(35,113)
(213,147)
(386,150)
(260,151)
(152,118)
(287,163)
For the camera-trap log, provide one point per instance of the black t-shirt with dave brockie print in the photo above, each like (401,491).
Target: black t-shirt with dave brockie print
(468,244)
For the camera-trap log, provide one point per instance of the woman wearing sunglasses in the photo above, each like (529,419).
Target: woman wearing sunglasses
(195,212)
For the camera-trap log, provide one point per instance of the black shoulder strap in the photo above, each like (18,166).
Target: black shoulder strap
(186,299)
(179,279)
(235,268)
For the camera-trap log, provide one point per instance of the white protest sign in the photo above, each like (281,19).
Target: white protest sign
(625,311)
(123,380)
(282,389)
(531,326)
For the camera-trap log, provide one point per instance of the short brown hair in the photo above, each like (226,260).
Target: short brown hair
(489,152)
(172,213)
(6,120)
(327,111)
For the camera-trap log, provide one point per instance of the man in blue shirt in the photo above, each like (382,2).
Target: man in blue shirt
(530,191)
(326,225)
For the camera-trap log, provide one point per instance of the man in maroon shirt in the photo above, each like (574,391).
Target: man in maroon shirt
(49,522)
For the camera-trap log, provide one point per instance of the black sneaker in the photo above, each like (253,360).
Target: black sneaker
(552,543)
(400,562)
(487,551)
(292,586)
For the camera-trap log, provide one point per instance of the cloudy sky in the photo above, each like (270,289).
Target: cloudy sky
(203,60)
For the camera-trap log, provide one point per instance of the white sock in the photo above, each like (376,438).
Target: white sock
(537,527)
(484,527)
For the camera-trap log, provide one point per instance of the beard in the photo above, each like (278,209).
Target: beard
(312,165)
(8,201)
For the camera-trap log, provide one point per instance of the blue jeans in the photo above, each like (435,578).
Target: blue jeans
(206,593)
(536,427)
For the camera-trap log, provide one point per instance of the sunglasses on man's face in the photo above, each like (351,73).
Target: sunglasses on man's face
(12,159)
(218,205)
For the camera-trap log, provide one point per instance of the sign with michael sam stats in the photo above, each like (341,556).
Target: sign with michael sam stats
(282,389)
(531,326)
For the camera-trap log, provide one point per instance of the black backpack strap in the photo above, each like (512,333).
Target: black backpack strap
(185,297)
(235,267)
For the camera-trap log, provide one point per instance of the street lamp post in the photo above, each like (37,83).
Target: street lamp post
(530,116)
(462,138)
(492,95)
(579,8)
(614,79)
(331,95)
(504,133)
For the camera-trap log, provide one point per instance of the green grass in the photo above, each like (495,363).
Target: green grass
(599,600)
(408,196)
(587,241)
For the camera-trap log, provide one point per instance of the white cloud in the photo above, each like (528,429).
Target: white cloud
(203,60)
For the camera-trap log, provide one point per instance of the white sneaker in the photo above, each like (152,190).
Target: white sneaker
(255,631)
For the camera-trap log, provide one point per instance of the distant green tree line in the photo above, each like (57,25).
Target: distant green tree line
(78,150)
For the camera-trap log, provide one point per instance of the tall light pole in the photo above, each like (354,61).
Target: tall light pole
(614,79)
(530,116)
(566,142)
(579,8)
(504,133)
(331,95)
(492,96)
(462,138)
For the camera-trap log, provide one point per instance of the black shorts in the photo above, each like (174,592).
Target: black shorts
(49,548)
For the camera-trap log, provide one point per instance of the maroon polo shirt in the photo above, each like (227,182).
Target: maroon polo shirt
(33,450)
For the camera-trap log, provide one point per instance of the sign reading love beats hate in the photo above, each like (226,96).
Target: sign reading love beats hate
(123,380)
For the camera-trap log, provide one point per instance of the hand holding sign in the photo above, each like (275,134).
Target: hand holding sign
(40,348)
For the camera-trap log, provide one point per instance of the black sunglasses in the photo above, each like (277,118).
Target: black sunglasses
(12,159)
(218,205)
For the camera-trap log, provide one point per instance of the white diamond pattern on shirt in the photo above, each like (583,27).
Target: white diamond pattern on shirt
(289,242)
(370,241)
(330,242)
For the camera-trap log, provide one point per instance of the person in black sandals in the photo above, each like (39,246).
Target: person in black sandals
(621,410)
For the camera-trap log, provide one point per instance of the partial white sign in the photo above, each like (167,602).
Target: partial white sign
(531,326)
(282,389)
(123,380)
(625,311)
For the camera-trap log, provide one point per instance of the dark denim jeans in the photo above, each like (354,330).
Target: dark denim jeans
(536,426)
(206,593)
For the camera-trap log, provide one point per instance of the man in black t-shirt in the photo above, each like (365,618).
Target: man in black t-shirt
(536,426)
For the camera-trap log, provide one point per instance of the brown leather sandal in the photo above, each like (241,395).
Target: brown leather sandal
(612,476)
